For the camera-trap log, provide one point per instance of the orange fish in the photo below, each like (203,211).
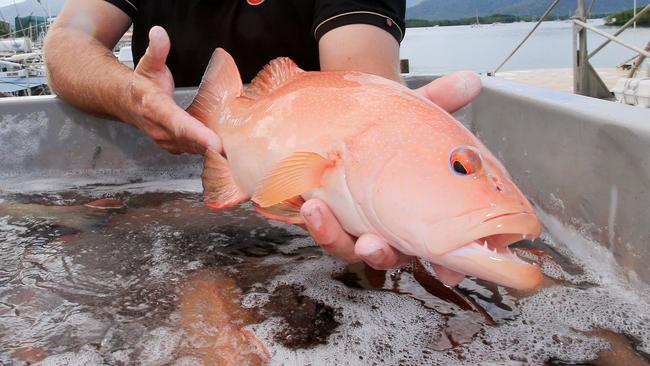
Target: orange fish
(386,160)
(213,321)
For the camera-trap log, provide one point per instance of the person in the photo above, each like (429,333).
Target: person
(318,35)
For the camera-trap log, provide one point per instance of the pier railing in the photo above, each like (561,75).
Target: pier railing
(586,80)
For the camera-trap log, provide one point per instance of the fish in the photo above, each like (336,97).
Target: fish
(213,322)
(77,217)
(386,160)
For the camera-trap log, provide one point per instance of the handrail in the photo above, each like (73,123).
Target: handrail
(610,37)
(619,31)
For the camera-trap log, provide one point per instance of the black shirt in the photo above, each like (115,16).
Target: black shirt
(252,31)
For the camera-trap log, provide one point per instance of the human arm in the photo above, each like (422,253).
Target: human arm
(83,71)
(371,49)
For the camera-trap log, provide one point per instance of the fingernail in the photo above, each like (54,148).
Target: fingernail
(155,32)
(374,258)
(372,252)
(314,218)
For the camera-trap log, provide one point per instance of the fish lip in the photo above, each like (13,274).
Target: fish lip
(488,256)
(504,214)
(508,222)
(503,238)
(506,225)
(501,266)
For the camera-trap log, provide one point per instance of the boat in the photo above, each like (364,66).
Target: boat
(477,23)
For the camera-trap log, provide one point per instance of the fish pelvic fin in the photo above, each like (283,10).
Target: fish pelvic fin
(286,211)
(295,175)
(275,74)
(221,83)
(219,187)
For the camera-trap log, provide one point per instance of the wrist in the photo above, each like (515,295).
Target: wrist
(128,104)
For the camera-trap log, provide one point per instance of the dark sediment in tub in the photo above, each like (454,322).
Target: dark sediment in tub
(306,322)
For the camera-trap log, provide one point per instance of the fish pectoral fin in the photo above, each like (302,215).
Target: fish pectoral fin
(219,187)
(286,211)
(275,74)
(293,176)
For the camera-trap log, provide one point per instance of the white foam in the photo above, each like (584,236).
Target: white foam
(87,355)
(158,346)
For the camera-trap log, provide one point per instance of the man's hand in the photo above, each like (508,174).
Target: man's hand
(153,109)
(96,82)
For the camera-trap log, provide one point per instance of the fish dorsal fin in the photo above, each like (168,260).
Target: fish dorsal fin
(220,83)
(275,74)
(292,177)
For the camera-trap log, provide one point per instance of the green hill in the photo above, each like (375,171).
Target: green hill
(622,18)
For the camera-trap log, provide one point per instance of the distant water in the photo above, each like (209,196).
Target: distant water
(446,49)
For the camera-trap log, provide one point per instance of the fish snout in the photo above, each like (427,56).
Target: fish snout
(484,251)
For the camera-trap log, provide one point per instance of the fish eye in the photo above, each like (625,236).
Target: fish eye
(464,160)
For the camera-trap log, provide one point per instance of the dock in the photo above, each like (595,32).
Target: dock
(562,79)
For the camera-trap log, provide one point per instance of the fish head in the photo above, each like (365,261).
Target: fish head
(435,191)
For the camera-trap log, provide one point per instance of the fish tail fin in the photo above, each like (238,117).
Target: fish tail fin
(221,83)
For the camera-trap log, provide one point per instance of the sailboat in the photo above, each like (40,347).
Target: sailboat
(477,24)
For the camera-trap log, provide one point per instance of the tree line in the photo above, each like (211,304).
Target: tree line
(491,19)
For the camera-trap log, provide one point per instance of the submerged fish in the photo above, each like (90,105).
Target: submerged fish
(77,217)
(386,160)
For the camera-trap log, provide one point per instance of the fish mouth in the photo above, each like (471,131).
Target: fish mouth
(488,256)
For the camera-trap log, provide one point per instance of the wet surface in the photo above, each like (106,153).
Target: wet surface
(135,275)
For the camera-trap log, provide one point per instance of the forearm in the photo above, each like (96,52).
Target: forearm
(86,74)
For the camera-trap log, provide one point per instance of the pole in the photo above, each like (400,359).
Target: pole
(585,79)
(639,61)
(580,76)
(634,16)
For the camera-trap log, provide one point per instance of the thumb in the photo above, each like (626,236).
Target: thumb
(452,92)
(154,58)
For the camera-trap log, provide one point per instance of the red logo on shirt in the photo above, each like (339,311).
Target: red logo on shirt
(254,2)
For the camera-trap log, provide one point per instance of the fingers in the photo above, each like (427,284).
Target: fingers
(153,61)
(328,233)
(377,253)
(326,230)
(447,276)
(180,131)
(198,137)
(452,92)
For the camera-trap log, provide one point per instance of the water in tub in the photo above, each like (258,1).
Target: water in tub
(148,276)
